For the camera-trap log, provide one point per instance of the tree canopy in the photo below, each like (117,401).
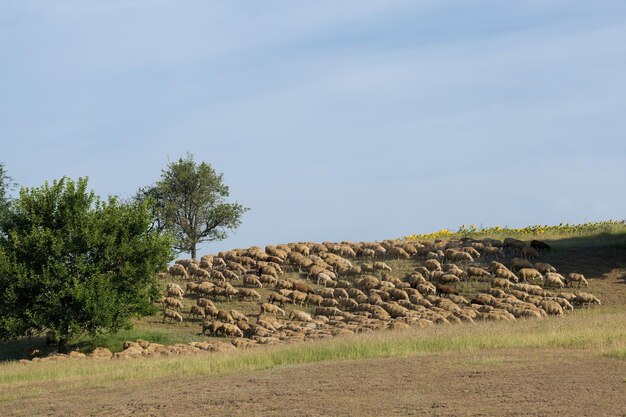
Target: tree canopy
(189,201)
(6,183)
(73,264)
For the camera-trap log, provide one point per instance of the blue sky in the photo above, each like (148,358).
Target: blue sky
(331,120)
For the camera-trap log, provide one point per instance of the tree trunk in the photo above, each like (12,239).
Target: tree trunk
(193,251)
(64,345)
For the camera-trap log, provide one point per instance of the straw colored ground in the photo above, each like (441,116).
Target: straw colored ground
(571,366)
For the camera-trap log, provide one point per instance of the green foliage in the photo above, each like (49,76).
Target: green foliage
(76,265)
(189,201)
(6,183)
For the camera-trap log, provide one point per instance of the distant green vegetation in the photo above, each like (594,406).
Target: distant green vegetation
(609,232)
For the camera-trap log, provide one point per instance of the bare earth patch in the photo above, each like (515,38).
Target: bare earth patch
(531,382)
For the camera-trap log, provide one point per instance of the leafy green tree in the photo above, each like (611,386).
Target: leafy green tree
(6,183)
(76,265)
(189,201)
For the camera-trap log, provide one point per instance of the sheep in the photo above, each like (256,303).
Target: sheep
(587,299)
(501,283)
(552,279)
(252,281)
(551,307)
(248,293)
(448,279)
(300,316)
(172,303)
(540,246)
(178,270)
(230,275)
(462,257)
(267,308)
(544,268)
(197,311)
(526,274)
(225,316)
(474,271)
(237,316)
(381,266)
(211,310)
(506,274)
(268,279)
(579,279)
(323,279)
(212,326)
(348,303)
(279,298)
(443,290)
(297,297)
(494,252)
(529,253)
(433,265)
(283,284)
(518,263)
(174,290)
(172,315)
(330,302)
(230,330)
(340,293)
(204,302)
(314,299)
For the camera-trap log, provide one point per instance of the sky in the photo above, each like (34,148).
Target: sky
(331,120)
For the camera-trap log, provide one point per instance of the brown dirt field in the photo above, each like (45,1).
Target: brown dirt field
(534,382)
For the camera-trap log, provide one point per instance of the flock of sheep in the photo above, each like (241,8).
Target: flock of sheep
(349,287)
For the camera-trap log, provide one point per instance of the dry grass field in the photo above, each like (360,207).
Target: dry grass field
(574,365)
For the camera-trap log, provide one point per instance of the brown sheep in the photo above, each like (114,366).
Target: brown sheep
(433,265)
(249,293)
(252,281)
(267,308)
(526,274)
(197,311)
(529,253)
(579,279)
(172,315)
(381,266)
(224,316)
(300,316)
(297,297)
(544,268)
(278,298)
(204,302)
(173,303)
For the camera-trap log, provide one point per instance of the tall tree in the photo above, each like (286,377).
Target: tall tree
(74,264)
(189,201)
(6,183)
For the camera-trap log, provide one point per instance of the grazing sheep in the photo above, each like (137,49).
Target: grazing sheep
(268,279)
(476,272)
(230,330)
(204,302)
(552,279)
(252,281)
(551,307)
(443,290)
(212,326)
(324,279)
(578,279)
(278,298)
(230,275)
(249,293)
(173,303)
(175,290)
(506,274)
(238,316)
(494,252)
(448,279)
(197,311)
(462,257)
(314,299)
(340,293)
(529,253)
(526,274)
(211,310)
(518,263)
(501,283)
(540,246)
(297,297)
(284,284)
(172,315)
(544,268)
(348,303)
(381,266)
(178,270)
(267,308)
(587,299)
(224,316)
(300,316)
(433,265)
